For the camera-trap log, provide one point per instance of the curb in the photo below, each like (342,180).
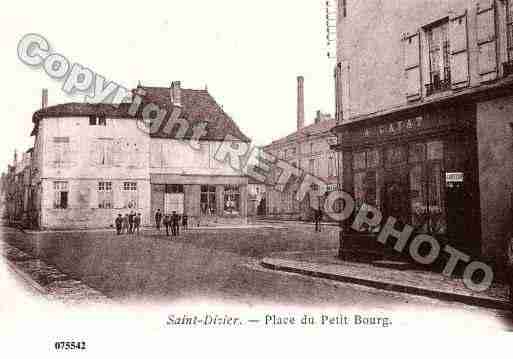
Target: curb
(27,278)
(393,287)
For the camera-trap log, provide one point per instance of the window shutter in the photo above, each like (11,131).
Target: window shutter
(486,40)
(459,51)
(412,66)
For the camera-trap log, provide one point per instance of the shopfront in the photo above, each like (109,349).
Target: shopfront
(206,200)
(418,166)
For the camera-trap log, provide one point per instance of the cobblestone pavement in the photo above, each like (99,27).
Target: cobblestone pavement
(222,265)
(48,280)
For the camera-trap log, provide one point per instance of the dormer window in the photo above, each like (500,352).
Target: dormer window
(97,121)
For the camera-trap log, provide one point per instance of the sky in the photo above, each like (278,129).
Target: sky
(248,54)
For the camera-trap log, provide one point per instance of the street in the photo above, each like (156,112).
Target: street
(223,266)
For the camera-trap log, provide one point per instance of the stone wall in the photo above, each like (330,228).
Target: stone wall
(495,151)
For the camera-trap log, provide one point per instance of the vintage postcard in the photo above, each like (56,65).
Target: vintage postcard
(222,177)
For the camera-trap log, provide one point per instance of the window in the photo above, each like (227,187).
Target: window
(60,195)
(97,121)
(129,195)
(509,25)
(231,200)
(439,57)
(208,200)
(343,9)
(61,150)
(366,185)
(105,195)
(311,167)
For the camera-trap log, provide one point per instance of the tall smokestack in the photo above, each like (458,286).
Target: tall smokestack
(44,98)
(176,93)
(300,102)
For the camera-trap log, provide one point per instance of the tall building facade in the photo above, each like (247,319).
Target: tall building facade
(309,149)
(92,162)
(425,108)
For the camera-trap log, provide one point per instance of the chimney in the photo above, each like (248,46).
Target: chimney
(44,98)
(318,117)
(15,163)
(300,102)
(176,93)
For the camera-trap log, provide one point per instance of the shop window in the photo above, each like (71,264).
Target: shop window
(129,195)
(426,185)
(61,194)
(395,156)
(208,200)
(105,195)
(435,150)
(366,184)
(231,200)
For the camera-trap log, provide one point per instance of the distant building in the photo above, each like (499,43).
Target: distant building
(308,148)
(425,104)
(92,162)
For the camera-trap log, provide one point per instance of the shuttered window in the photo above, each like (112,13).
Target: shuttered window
(412,66)
(459,51)
(509,25)
(486,40)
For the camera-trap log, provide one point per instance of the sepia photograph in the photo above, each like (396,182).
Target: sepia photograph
(223,176)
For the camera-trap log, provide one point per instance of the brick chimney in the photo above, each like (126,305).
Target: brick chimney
(44,98)
(300,102)
(176,93)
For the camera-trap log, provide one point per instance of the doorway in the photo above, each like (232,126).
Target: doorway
(455,202)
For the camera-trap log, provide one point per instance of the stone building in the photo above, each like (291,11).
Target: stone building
(94,161)
(308,148)
(425,108)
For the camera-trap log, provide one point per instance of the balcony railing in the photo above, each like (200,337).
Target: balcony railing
(438,86)
(508,68)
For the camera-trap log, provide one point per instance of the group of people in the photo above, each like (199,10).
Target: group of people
(171,222)
(130,223)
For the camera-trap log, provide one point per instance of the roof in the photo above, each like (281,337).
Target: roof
(320,128)
(197,106)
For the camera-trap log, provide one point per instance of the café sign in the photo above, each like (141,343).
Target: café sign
(394,128)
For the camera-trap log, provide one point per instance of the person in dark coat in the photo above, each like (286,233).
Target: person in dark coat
(175,222)
(137,222)
(318,218)
(119,224)
(167,224)
(158,219)
(131,222)
(185,221)
(126,226)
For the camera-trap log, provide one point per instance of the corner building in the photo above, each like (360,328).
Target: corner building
(424,110)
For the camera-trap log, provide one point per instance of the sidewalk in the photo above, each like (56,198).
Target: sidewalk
(326,265)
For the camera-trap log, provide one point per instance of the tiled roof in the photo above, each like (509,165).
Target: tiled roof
(320,128)
(197,106)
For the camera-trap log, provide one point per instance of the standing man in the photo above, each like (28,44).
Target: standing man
(167,223)
(119,224)
(125,224)
(137,223)
(185,220)
(175,220)
(158,219)
(318,219)
(131,222)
